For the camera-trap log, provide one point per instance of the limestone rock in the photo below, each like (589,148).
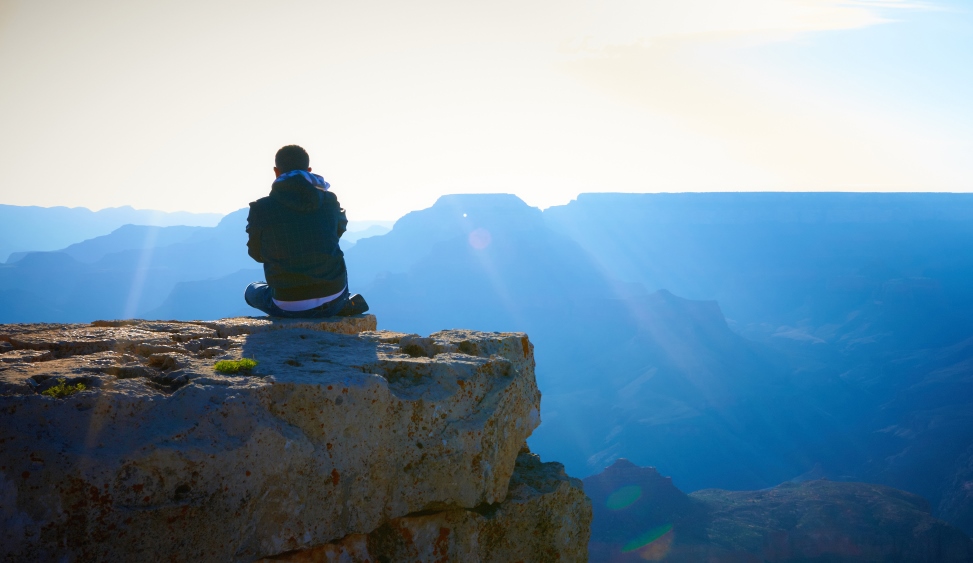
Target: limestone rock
(333,433)
(545,517)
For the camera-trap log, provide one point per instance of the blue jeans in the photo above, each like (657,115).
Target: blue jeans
(260,296)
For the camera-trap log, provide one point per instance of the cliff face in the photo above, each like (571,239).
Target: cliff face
(542,519)
(341,439)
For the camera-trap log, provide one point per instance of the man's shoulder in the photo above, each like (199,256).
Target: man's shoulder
(265,202)
(259,202)
(260,211)
(329,201)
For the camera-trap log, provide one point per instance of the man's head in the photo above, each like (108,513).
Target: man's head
(291,157)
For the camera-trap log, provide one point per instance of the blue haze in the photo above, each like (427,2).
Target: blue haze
(50,228)
(732,340)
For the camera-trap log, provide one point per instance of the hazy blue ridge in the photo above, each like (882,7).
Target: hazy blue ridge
(29,228)
(208,299)
(781,258)
(125,283)
(126,237)
(133,270)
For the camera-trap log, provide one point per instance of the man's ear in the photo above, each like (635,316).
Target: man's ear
(277,171)
(308,168)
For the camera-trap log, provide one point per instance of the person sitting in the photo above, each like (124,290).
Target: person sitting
(294,232)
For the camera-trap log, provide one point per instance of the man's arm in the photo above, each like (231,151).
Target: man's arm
(253,239)
(342,222)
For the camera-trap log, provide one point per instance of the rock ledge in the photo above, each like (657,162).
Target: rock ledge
(340,430)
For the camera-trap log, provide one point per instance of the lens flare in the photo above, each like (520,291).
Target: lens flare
(644,540)
(480,239)
(624,497)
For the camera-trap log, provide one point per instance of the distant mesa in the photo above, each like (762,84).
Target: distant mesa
(640,515)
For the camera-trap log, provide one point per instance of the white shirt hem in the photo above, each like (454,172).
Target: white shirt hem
(307,304)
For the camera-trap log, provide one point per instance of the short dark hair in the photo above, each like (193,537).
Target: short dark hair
(292,157)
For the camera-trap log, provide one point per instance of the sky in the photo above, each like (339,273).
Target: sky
(181,104)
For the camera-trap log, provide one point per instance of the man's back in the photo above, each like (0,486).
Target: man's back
(294,231)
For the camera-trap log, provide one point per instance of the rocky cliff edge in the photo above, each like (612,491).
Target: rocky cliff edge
(120,440)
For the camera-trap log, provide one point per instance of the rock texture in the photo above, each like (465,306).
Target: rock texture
(339,430)
(640,515)
(545,517)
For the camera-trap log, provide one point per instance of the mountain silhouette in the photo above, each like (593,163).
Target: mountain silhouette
(29,228)
(129,281)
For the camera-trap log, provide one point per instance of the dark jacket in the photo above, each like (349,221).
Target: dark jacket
(294,231)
